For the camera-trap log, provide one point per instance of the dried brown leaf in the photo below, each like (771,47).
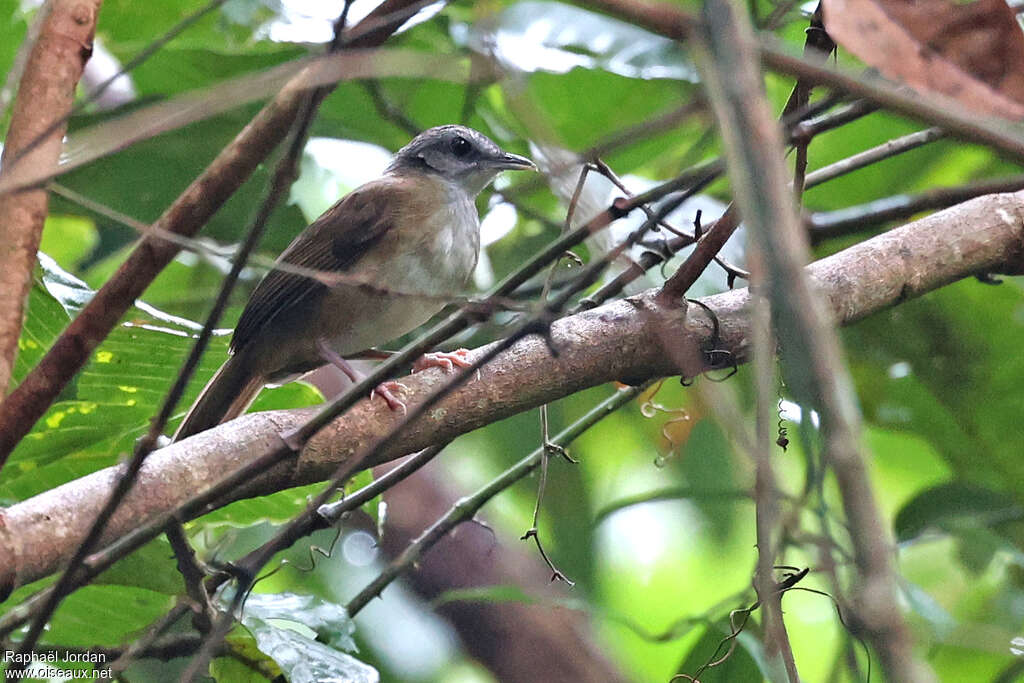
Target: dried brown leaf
(970,51)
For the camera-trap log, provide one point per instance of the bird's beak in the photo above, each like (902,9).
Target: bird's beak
(513,162)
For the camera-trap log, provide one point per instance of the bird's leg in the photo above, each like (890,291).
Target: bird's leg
(374,354)
(384,389)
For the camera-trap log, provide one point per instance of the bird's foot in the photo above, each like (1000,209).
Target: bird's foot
(386,391)
(447,361)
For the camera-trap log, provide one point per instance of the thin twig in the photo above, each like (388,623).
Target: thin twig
(700,258)
(829,224)
(186,215)
(886,150)
(726,56)
(734,86)
(467,507)
(193,574)
(46,92)
(803,131)
(818,45)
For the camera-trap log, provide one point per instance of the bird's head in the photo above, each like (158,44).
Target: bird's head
(458,154)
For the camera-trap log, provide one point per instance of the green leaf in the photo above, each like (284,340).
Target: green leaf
(98,615)
(45,318)
(68,290)
(291,395)
(247,662)
(152,567)
(328,620)
(953,506)
(925,606)
(708,465)
(276,508)
(486,594)
(304,660)
(635,101)
(69,239)
(739,665)
(162,167)
(114,396)
(939,366)
(529,36)
(230,670)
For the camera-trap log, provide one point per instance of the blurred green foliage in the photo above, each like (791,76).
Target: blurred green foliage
(939,379)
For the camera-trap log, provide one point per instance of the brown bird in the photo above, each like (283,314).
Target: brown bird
(415,230)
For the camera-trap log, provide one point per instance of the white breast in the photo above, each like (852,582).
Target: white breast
(439,268)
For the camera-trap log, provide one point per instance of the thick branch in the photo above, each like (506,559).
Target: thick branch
(616,341)
(45,94)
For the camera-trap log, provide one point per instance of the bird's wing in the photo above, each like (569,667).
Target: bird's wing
(331,244)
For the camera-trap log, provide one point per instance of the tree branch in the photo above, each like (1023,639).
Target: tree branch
(620,340)
(673,22)
(185,216)
(46,93)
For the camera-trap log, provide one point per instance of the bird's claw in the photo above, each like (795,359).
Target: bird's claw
(386,391)
(446,360)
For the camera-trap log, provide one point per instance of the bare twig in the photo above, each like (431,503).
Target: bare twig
(193,574)
(188,213)
(753,146)
(726,55)
(840,222)
(45,92)
(467,507)
(885,150)
(818,46)
(701,257)
(807,129)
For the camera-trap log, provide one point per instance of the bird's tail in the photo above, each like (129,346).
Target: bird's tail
(226,396)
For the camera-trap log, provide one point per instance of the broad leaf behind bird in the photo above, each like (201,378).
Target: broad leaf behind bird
(415,230)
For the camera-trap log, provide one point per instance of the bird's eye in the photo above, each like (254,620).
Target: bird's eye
(460,146)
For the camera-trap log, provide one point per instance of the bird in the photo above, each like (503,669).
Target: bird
(413,231)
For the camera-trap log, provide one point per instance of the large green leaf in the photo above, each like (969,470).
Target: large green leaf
(105,615)
(708,466)
(286,627)
(929,366)
(304,660)
(953,506)
(116,393)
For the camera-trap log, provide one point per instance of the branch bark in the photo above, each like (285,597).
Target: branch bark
(620,340)
(45,95)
